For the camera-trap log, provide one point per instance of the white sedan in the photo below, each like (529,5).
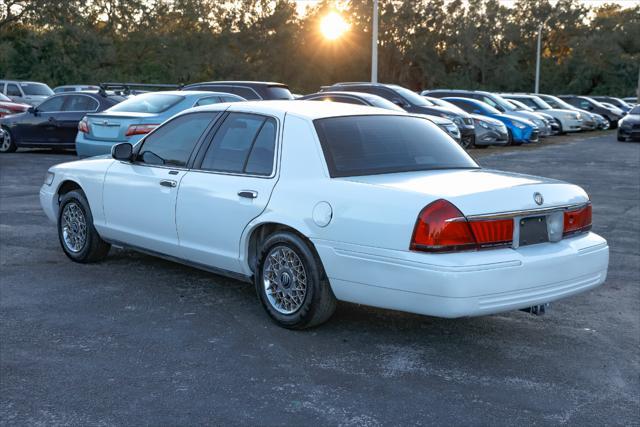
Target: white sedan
(317,202)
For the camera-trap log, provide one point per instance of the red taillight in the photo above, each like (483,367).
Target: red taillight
(83,126)
(139,129)
(577,220)
(441,227)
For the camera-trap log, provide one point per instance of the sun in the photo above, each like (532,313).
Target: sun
(333,26)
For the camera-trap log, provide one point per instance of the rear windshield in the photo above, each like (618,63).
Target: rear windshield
(378,144)
(148,103)
(36,89)
(279,92)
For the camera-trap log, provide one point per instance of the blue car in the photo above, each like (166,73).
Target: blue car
(521,131)
(130,120)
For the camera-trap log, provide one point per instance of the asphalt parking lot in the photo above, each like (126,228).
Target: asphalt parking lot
(136,340)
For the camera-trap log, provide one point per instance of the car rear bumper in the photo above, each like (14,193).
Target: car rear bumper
(467,283)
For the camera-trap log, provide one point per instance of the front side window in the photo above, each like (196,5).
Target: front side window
(172,143)
(245,143)
(379,144)
(52,104)
(12,90)
(80,103)
(148,103)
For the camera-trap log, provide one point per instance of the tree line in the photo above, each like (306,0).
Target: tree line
(474,44)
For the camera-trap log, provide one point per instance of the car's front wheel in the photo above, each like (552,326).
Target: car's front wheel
(79,239)
(7,145)
(291,282)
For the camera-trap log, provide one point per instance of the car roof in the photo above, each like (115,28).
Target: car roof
(363,95)
(306,109)
(238,82)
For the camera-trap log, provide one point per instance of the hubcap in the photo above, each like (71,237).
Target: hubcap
(6,140)
(285,280)
(74,227)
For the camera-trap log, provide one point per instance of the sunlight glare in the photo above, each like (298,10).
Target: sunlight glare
(333,26)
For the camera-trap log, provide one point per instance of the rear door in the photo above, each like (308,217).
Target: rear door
(74,109)
(230,185)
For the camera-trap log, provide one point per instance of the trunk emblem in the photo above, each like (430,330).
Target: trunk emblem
(537,197)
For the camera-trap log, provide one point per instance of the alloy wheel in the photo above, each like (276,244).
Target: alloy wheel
(284,279)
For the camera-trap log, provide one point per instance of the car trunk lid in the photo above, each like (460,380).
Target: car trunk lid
(113,126)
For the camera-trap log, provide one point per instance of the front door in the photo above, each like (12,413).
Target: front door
(230,186)
(139,197)
(40,126)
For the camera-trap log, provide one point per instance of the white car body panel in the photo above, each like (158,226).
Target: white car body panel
(365,246)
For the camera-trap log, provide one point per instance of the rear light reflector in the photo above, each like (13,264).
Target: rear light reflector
(493,232)
(83,126)
(577,220)
(139,129)
(441,227)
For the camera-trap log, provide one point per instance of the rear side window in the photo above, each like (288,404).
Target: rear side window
(80,103)
(368,145)
(245,92)
(245,143)
(278,92)
(148,103)
(172,143)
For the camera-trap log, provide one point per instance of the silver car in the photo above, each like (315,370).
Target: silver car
(32,93)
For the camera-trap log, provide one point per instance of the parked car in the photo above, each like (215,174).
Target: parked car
(7,106)
(591,105)
(589,119)
(75,88)
(568,120)
(32,93)
(616,102)
(246,89)
(54,123)
(413,103)
(317,202)
(629,126)
(549,120)
(488,131)
(495,101)
(132,119)
(520,130)
(363,98)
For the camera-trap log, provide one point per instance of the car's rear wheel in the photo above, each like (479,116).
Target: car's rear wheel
(7,145)
(291,282)
(79,239)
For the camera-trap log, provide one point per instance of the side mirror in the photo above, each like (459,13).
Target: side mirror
(33,110)
(122,151)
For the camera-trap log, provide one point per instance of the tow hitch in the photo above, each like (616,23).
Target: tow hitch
(537,310)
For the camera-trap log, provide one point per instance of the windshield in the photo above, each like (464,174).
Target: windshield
(148,103)
(519,105)
(635,110)
(503,103)
(558,103)
(379,144)
(412,97)
(540,103)
(442,103)
(380,102)
(36,89)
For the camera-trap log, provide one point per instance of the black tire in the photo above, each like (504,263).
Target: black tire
(94,248)
(622,139)
(560,130)
(511,140)
(318,302)
(9,147)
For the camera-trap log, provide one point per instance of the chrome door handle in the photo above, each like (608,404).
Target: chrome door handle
(249,194)
(168,183)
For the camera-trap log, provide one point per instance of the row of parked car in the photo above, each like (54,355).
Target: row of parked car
(92,119)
